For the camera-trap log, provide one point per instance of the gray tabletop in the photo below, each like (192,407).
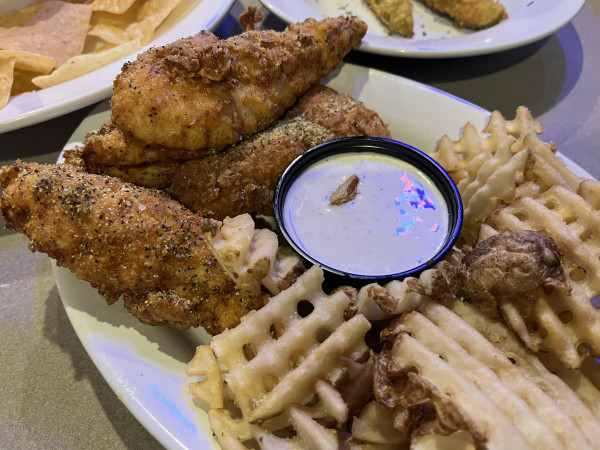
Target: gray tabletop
(52,395)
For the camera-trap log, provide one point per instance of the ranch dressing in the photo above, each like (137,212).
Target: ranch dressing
(397,221)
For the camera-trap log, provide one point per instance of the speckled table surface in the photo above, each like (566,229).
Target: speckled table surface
(52,395)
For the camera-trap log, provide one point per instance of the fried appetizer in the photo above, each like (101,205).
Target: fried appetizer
(108,146)
(396,15)
(470,13)
(125,241)
(320,114)
(243,179)
(339,113)
(202,92)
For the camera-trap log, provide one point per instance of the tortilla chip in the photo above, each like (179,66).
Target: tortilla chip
(29,61)
(140,21)
(111,6)
(82,64)
(22,83)
(56,29)
(7,67)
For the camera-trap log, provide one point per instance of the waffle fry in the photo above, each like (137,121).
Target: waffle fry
(251,256)
(505,341)
(472,386)
(455,156)
(565,325)
(375,424)
(533,189)
(506,161)
(582,381)
(495,184)
(282,367)
(378,302)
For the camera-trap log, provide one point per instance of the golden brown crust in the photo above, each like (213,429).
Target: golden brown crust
(108,146)
(339,113)
(243,179)
(395,14)
(107,151)
(126,241)
(204,93)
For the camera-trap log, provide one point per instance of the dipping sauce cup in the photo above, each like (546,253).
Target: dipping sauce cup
(395,213)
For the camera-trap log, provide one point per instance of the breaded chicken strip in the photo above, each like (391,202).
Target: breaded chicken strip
(205,93)
(126,241)
(109,146)
(326,114)
(243,179)
(470,13)
(339,113)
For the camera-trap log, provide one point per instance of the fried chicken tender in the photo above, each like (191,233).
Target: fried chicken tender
(243,179)
(245,175)
(108,146)
(201,92)
(339,113)
(125,241)
(470,13)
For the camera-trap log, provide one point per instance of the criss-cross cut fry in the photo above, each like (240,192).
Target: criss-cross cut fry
(434,356)
(252,257)
(378,302)
(507,160)
(297,365)
(456,155)
(562,323)
(579,405)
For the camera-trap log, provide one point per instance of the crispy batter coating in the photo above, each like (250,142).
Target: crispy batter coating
(470,13)
(339,113)
(201,92)
(243,179)
(125,241)
(153,175)
(109,146)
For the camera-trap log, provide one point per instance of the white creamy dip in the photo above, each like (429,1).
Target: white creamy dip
(398,220)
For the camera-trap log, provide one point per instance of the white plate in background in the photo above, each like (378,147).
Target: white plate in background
(145,365)
(434,34)
(188,18)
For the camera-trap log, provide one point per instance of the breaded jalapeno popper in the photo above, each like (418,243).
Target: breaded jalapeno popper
(125,241)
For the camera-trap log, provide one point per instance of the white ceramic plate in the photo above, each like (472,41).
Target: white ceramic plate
(145,365)
(434,35)
(188,18)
